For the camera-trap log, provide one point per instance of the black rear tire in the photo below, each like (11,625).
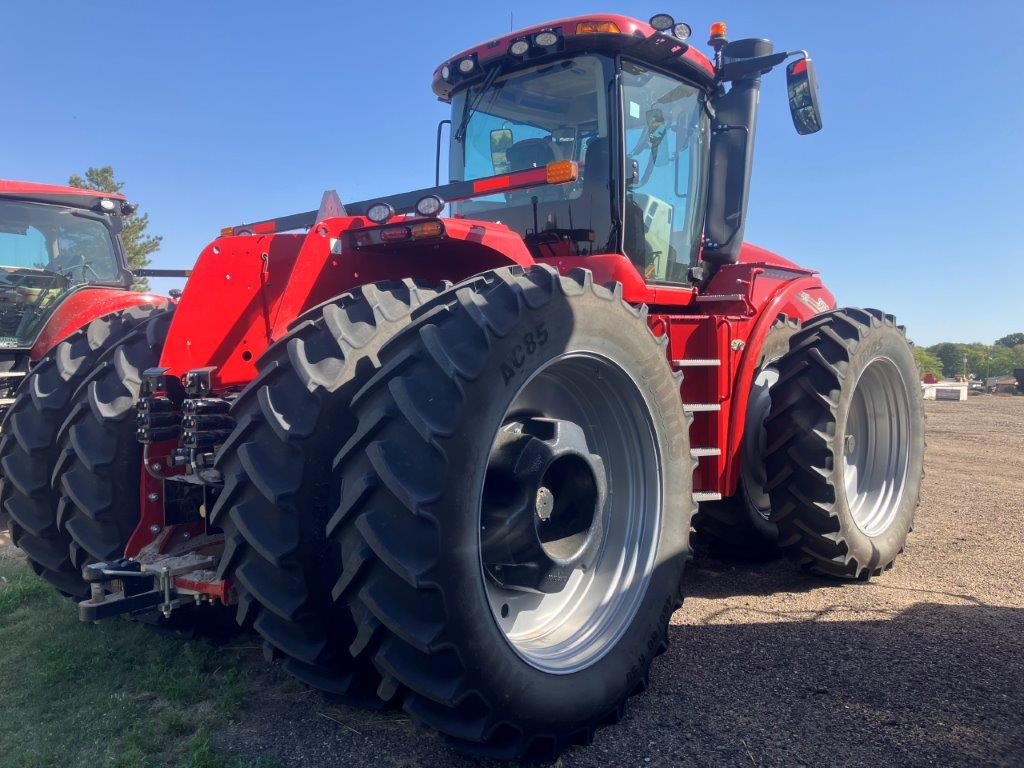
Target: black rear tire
(739,527)
(408,523)
(837,360)
(29,447)
(278,486)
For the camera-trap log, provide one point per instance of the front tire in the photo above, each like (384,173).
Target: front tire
(500,380)
(845,453)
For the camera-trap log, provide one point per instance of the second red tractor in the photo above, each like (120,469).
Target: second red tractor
(444,448)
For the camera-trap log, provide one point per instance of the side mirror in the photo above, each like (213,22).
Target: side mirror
(802,84)
(501,140)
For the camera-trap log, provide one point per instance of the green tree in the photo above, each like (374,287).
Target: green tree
(1011,340)
(138,245)
(927,363)
(952,357)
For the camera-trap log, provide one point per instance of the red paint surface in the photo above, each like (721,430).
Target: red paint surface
(31,189)
(83,306)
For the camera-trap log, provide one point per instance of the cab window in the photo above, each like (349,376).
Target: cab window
(666,134)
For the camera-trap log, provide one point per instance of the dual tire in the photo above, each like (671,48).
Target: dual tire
(845,444)
(835,475)
(379,586)
(67,472)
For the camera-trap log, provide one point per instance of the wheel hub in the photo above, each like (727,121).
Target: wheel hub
(543,505)
(876,446)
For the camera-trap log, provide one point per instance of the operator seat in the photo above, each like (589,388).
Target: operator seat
(595,188)
(529,153)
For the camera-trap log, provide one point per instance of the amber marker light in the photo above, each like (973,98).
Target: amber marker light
(596,27)
(427,229)
(562,171)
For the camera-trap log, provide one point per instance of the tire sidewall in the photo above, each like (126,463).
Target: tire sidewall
(776,345)
(881,341)
(581,323)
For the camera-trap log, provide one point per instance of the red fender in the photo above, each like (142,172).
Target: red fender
(83,306)
(801,298)
(246,290)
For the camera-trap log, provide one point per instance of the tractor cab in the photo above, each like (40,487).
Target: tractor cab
(53,240)
(661,137)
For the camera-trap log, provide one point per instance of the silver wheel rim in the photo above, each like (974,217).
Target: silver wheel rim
(876,446)
(753,476)
(571,629)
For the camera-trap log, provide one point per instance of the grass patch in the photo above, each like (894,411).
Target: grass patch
(115,694)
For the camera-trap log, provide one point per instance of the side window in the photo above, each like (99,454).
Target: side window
(666,134)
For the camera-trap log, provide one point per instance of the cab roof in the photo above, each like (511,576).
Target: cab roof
(55,194)
(633,35)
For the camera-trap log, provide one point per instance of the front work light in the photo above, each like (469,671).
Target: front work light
(430,205)
(378,213)
(545,39)
(519,47)
(681,31)
(662,22)
(107,205)
(466,66)
(446,72)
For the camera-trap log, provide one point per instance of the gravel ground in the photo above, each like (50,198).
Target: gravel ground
(920,667)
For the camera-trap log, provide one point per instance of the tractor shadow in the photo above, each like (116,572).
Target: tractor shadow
(771,683)
(791,676)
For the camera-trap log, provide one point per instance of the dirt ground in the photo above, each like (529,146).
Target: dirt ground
(921,667)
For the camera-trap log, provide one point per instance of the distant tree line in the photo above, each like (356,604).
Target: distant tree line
(946,359)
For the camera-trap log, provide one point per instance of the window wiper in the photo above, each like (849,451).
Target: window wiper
(469,108)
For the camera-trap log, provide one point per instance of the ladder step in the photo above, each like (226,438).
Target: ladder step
(706,496)
(721,297)
(6,401)
(12,374)
(698,452)
(693,363)
(701,407)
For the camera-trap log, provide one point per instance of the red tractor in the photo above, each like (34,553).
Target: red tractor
(451,462)
(65,298)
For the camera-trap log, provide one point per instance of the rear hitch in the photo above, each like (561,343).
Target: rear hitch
(128,586)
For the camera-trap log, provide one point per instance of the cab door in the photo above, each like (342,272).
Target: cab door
(665,132)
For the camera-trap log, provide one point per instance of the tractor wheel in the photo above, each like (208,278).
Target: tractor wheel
(515,511)
(845,452)
(99,458)
(29,447)
(739,526)
(278,488)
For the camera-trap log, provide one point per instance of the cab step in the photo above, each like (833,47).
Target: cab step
(706,496)
(698,452)
(694,362)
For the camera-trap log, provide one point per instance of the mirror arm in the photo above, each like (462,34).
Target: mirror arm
(761,65)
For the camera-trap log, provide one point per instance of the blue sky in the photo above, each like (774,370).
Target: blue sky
(216,113)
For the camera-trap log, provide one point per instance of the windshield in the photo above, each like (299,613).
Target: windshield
(45,251)
(526,120)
